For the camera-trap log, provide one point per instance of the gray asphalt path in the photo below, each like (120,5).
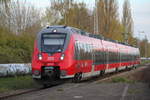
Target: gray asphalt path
(90,91)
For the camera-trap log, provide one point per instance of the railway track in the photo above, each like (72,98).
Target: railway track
(90,80)
(18,93)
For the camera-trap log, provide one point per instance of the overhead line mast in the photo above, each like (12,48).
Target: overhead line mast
(96,26)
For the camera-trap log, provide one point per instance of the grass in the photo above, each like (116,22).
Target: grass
(16,83)
(144,62)
(60,89)
(133,91)
(122,80)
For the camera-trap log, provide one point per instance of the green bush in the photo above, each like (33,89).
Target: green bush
(15,48)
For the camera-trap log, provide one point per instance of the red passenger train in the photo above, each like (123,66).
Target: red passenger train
(67,52)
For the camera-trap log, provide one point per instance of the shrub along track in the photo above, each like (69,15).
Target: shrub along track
(106,77)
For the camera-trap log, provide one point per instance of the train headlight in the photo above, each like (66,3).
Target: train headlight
(62,57)
(40,57)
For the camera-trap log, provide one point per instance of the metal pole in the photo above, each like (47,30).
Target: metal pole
(145,46)
(139,40)
(97,29)
(95,19)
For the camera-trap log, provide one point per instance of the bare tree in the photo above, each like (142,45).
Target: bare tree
(57,10)
(4,10)
(108,17)
(18,16)
(67,12)
(127,21)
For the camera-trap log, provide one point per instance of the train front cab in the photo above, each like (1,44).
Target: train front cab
(52,57)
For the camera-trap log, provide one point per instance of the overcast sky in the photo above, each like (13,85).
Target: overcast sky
(140,13)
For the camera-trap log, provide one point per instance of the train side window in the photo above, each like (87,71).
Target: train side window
(113,57)
(90,51)
(82,32)
(101,57)
(87,52)
(109,57)
(121,57)
(124,58)
(128,57)
(76,30)
(84,51)
(75,50)
(116,57)
(78,50)
(105,57)
(104,54)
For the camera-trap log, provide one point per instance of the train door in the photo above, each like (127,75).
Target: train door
(77,54)
(93,71)
(78,74)
(93,61)
(119,57)
(107,58)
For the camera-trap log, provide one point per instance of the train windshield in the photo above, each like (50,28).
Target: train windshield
(53,42)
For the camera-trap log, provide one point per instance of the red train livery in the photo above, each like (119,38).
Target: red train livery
(67,52)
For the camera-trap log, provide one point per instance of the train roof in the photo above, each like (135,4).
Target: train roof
(68,29)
